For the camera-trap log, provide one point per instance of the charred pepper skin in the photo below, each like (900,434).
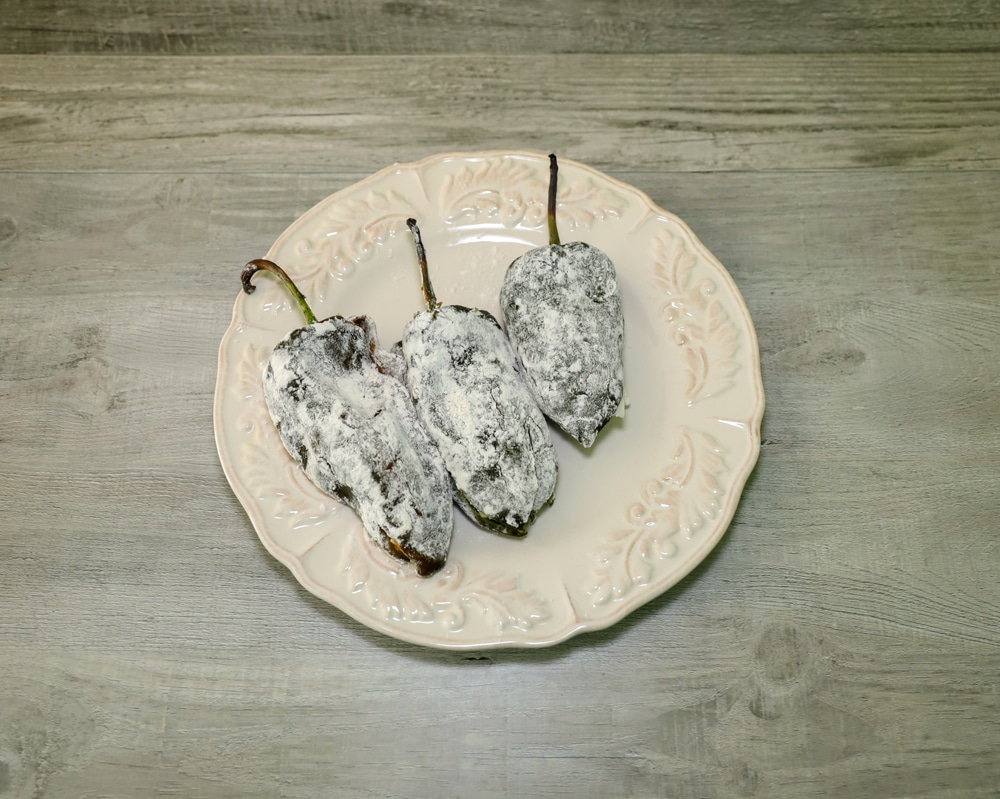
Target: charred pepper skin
(562,309)
(463,377)
(351,426)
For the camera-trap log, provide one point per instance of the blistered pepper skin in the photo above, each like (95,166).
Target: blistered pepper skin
(463,377)
(352,427)
(562,310)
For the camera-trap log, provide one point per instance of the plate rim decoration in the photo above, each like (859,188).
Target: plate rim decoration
(622,529)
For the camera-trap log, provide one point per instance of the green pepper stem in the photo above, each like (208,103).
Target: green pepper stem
(425,278)
(259,264)
(553,188)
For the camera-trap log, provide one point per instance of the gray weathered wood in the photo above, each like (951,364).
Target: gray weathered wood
(687,112)
(841,641)
(185,27)
(842,638)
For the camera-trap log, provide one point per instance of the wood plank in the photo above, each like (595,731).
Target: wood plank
(676,112)
(878,367)
(841,640)
(841,159)
(489,26)
(788,709)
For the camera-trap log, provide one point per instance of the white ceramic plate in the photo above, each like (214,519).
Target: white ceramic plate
(631,516)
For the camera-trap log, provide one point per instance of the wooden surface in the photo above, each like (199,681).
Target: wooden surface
(841,159)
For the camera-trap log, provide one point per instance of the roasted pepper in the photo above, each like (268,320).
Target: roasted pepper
(464,381)
(350,424)
(562,310)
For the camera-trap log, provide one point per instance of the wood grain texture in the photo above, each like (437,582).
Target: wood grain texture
(841,641)
(690,113)
(840,158)
(184,27)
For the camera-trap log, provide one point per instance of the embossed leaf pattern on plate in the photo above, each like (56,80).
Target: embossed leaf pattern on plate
(583,202)
(445,600)
(676,503)
(351,232)
(699,323)
(517,195)
(505,189)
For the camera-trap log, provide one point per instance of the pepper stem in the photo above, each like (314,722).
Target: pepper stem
(425,278)
(553,188)
(259,264)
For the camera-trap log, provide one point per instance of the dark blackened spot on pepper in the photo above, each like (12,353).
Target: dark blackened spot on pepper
(513,452)
(596,293)
(381,477)
(349,360)
(492,471)
(303,453)
(344,493)
(494,524)
(296,389)
(462,359)
(424,565)
(347,349)
(483,479)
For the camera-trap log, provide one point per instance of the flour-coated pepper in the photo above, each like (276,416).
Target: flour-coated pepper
(348,421)
(562,309)
(463,377)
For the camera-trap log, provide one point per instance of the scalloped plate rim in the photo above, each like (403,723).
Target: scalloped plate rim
(575,626)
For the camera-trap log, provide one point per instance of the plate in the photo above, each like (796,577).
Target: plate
(631,516)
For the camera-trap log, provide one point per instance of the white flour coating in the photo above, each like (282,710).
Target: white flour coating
(353,429)
(463,377)
(563,313)
(391,360)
